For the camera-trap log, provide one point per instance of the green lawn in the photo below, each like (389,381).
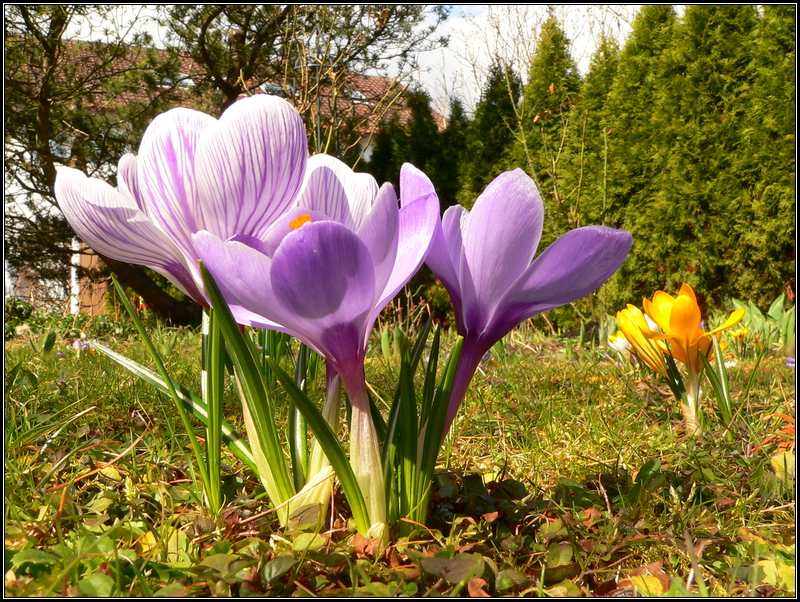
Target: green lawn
(567,473)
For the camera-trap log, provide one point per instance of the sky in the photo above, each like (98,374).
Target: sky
(479,32)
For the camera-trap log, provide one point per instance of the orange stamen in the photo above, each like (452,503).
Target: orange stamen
(301,219)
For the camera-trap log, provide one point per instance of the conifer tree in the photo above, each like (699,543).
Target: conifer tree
(631,136)
(587,143)
(491,132)
(416,142)
(582,172)
(422,134)
(701,152)
(684,227)
(378,161)
(384,162)
(762,223)
(543,124)
(452,152)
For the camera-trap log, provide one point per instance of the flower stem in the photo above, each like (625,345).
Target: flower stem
(365,456)
(689,409)
(471,355)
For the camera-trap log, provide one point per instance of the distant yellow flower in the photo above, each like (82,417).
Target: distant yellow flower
(739,334)
(680,321)
(634,326)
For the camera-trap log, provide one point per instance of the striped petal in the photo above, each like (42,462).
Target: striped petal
(362,191)
(332,188)
(323,189)
(250,165)
(111,224)
(165,170)
(126,178)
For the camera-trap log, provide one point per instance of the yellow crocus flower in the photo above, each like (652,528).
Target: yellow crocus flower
(739,334)
(679,319)
(634,327)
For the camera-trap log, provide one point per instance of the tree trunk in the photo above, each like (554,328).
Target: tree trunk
(178,313)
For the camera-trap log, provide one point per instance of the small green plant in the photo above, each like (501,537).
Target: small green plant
(15,314)
(775,329)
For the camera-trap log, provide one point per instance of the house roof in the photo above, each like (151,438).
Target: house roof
(368,101)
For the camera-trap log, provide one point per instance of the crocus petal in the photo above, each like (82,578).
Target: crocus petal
(362,190)
(502,235)
(111,224)
(323,189)
(679,350)
(684,319)
(165,172)
(379,232)
(322,275)
(688,291)
(447,248)
(250,165)
(287,223)
(573,266)
(659,309)
(704,347)
(684,326)
(334,189)
(414,185)
(446,253)
(439,261)
(446,260)
(618,342)
(126,178)
(242,275)
(417,222)
(633,326)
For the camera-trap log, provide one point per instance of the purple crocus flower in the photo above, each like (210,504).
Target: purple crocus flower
(325,270)
(81,345)
(233,177)
(485,259)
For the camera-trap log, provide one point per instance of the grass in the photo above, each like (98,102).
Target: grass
(567,473)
